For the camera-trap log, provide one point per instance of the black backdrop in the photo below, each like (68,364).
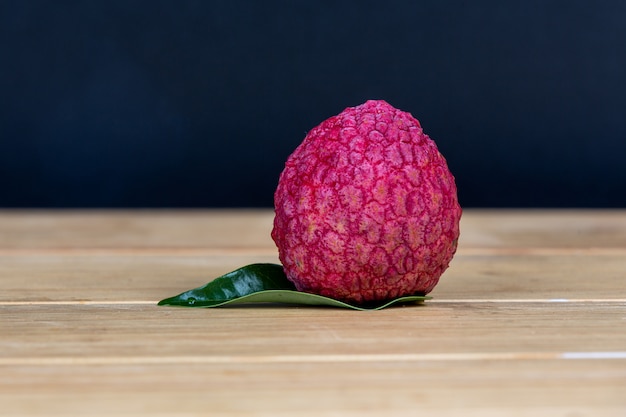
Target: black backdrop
(123,103)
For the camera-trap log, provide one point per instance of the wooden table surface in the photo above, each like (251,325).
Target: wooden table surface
(529,320)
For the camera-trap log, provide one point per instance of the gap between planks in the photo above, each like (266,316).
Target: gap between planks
(433,301)
(329,358)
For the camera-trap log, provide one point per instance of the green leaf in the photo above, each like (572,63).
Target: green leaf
(241,282)
(263,283)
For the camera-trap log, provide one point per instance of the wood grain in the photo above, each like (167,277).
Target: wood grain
(517,387)
(530,319)
(34,331)
(126,278)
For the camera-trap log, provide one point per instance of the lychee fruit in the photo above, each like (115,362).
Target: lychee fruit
(366,208)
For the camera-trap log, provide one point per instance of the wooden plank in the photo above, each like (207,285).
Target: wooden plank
(518,277)
(537,229)
(178,230)
(153,277)
(128,231)
(491,388)
(110,278)
(231,334)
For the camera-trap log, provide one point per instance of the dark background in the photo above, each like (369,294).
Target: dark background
(198,103)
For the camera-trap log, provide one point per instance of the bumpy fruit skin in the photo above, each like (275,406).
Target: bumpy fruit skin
(366,208)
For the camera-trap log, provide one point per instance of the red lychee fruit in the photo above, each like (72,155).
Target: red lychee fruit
(366,208)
